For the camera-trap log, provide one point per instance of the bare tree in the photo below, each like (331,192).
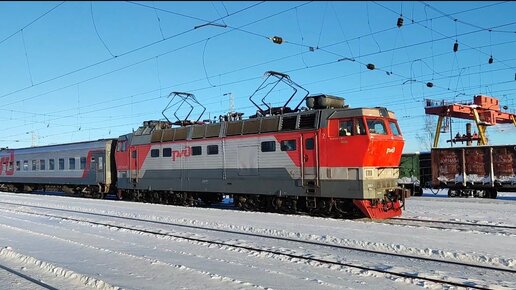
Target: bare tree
(427,135)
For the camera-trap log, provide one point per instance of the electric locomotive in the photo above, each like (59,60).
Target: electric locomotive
(326,159)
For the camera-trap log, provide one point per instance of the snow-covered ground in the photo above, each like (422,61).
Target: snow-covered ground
(73,243)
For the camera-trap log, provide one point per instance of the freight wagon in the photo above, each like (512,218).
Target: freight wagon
(479,171)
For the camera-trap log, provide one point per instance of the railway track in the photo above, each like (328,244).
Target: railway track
(452,225)
(437,263)
(27,278)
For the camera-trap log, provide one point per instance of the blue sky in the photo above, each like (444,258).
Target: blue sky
(76,71)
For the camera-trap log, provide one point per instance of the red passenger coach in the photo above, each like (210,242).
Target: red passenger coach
(326,159)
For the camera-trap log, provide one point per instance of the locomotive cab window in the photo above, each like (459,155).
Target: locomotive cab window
(359,126)
(394,128)
(376,126)
(154,153)
(212,149)
(288,145)
(346,128)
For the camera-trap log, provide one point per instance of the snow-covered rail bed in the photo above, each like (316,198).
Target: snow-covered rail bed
(369,262)
(155,244)
(506,230)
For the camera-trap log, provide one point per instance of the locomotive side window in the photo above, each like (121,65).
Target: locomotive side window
(309,144)
(61,164)
(212,149)
(196,150)
(268,146)
(154,153)
(346,128)
(133,154)
(17,165)
(167,152)
(376,126)
(42,164)
(25,165)
(71,163)
(83,163)
(288,145)
(51,165)
(394,128)
(360,127)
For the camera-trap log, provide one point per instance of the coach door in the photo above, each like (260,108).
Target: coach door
(133,164)
(97,166)
(309,160)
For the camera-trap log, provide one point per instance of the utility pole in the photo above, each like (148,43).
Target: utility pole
(231,102)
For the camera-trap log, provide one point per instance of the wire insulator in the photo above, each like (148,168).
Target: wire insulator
(400,22)
(370,66)
(277,39)
(455,46)
(490,60)
(429,84)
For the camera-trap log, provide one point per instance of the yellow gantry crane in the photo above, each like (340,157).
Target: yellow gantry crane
(484,110)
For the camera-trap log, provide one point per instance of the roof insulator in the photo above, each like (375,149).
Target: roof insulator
(455,46)
(490,60)
(277,39)
(400,21)
(370,66)
(429,84)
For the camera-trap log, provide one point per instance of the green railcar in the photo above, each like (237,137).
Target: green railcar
(415,172)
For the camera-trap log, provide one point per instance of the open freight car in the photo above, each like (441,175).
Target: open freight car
(479,171)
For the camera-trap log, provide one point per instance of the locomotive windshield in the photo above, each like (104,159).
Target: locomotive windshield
(378,126)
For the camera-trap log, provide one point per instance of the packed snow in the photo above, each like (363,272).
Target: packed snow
(45,238)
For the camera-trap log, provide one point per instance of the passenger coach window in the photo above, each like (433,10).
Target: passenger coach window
(196,150)
(51,164)
(25,165)
(394,128)
(17,165)
(154,153)
(71,163)
(167,152)
(288,145)
(83,162)
(376,126)
(42,164)
(34,165)
(212,149)
(268,146)
(61,164)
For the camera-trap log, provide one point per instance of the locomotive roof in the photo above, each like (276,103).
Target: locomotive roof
(300,120)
